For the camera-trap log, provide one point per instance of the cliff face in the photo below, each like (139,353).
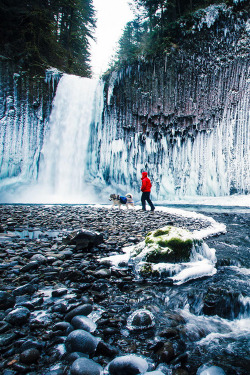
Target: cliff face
(183,117)
(25,105)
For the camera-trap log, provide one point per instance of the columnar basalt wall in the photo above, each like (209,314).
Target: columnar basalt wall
(25,106)
(183,117)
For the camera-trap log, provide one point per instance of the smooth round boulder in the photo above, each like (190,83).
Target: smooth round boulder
(83,322)
(85,366)
(81,341)
(18,316)
(128,365)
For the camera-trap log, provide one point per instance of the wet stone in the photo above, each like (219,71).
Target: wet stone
(127,365)
(18,316)
(140,320)
(84,309)
(59,292)
(30,266)
(85,366)
(25,289)
(7,300)
(29,356)
(81,341)
(39,258)
(83,322)
(7,339)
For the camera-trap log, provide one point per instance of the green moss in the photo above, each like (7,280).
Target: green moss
(168,244)
(162,243)
(161,232)
(148,241)
(159,256)
(178,244)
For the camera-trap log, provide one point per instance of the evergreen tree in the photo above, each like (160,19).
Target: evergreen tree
(162,20)
(42,33)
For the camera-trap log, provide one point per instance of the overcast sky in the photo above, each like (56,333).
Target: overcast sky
(112,16)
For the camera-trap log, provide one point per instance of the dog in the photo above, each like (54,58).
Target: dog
(118,200)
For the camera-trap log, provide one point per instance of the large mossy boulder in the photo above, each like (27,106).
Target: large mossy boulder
(166,245)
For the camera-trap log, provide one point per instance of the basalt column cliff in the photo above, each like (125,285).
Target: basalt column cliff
(183,117)
(25,107)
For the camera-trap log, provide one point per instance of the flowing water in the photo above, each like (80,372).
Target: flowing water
(216,308)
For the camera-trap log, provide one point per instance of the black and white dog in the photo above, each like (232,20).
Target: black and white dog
(118,200)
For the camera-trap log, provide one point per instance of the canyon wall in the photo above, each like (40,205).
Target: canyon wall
(25,106)
(183,117)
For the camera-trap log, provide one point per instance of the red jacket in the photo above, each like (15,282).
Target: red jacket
(146,183)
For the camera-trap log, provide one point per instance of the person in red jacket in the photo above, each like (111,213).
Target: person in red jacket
(146,189)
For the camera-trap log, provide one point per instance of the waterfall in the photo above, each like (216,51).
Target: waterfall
(62,165)
(61,158)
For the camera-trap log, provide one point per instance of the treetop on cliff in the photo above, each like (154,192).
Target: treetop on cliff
(156,29)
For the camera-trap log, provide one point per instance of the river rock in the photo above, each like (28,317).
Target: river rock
(7,339)
(30,266)
(127,365)
(25,289)
(31,344)
(222,302)
(59,292)
(7,300)
(166,352)
(210,370)
(39,258)
(167,244)
(29,356)
(83,322)
(85,366)
(18,316)
(140,319)
(84,309)
(81,341)
(84,239)
(64,327)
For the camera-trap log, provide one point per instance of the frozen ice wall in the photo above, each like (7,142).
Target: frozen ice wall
(183,117)
(24,109)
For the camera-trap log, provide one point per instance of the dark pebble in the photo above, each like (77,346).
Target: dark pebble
(29,356)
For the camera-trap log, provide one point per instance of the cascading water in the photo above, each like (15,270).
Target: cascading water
(50,160)
(62,165)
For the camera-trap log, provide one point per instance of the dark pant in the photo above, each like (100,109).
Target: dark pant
(146,197)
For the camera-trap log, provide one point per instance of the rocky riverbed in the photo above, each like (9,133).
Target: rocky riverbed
(55,294)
